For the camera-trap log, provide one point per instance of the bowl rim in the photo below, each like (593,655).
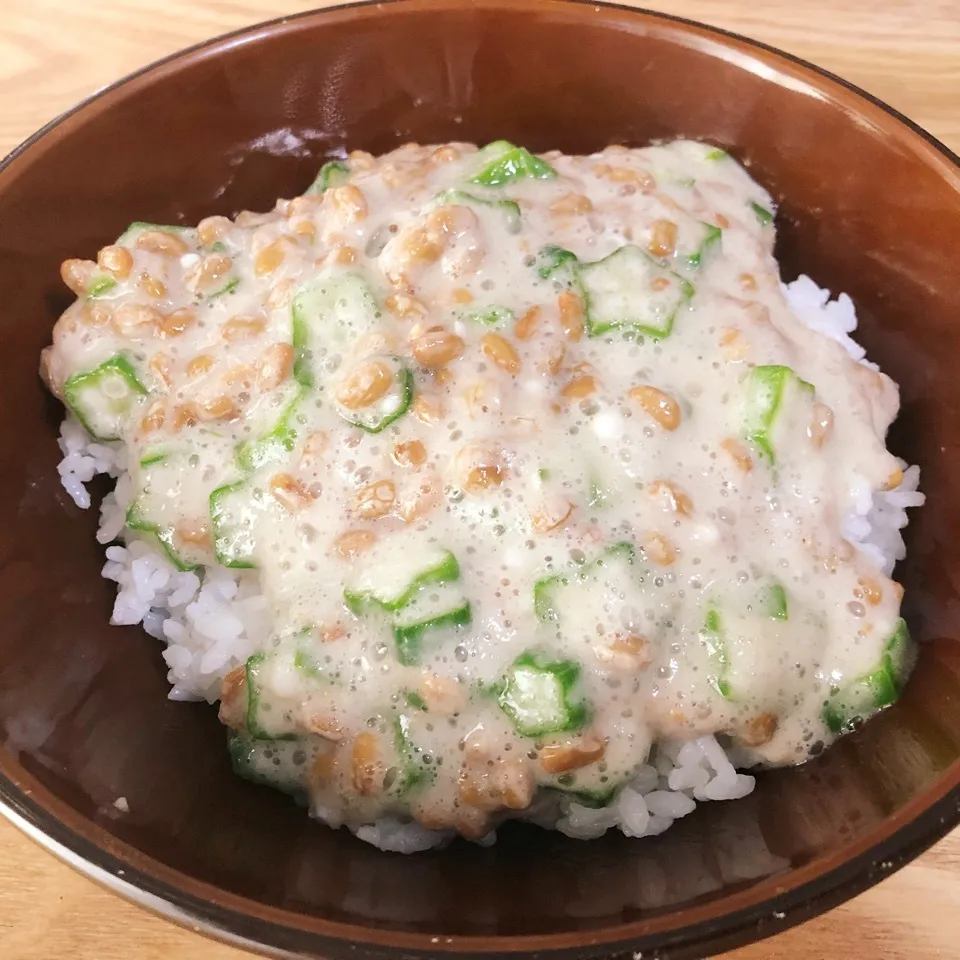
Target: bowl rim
(249,924)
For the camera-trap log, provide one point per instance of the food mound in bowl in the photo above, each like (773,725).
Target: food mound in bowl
(481,485)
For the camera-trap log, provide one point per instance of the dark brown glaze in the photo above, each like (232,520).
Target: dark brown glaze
(868,205)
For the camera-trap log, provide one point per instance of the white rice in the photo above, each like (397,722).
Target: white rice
(213,624)
(878,519)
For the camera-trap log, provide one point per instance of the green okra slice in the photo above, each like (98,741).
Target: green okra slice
(505,163)
(102,398)
(629,291)
(537,695)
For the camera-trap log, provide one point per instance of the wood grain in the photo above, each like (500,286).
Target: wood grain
(56,52)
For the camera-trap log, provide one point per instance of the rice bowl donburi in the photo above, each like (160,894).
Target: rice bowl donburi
(478,485)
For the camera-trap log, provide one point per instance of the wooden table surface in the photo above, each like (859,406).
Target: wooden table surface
(55,52)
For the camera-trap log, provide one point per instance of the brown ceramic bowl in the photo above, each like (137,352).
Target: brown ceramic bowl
(869,204)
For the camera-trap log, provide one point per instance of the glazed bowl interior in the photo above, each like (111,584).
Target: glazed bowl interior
(867,205)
